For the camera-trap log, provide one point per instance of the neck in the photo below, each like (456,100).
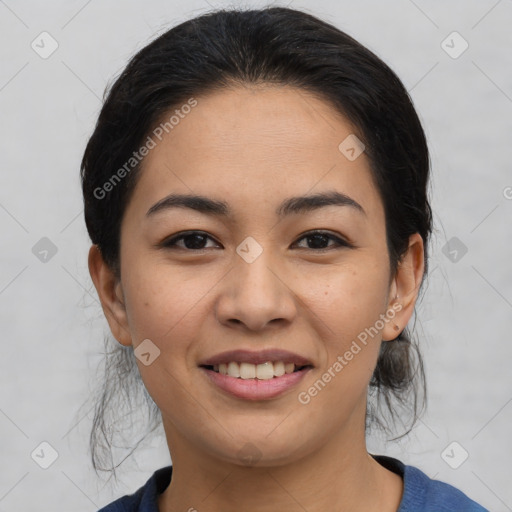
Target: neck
(340,476)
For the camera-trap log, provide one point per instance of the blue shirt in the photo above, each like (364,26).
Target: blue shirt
(421,494)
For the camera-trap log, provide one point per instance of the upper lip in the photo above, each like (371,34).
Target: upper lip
(260,357)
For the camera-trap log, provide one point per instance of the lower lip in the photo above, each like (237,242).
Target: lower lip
(255,389)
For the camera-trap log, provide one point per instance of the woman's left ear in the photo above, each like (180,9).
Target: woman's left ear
(404,289)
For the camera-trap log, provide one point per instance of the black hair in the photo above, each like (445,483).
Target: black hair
(236,47)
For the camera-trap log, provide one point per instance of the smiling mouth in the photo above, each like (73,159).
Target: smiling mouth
(265,371)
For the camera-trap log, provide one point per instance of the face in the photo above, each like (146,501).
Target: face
(252,276)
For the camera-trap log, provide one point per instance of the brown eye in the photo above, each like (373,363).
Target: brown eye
(192,240)
(318,240)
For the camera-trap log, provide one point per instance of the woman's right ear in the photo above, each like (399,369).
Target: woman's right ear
(110,293)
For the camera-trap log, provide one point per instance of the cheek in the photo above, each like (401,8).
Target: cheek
(354,296)
(351,304)
(168,307)
(162,303)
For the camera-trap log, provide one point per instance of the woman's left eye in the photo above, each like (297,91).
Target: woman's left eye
(318,238)
(195,240)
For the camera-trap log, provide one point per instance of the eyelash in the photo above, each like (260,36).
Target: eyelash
(171,242)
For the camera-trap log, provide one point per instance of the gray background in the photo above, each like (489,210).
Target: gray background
(51,320)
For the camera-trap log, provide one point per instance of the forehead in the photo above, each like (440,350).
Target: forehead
(254,145)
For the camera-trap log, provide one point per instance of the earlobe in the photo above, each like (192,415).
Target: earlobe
(393,326)
(111,296)
(405,288)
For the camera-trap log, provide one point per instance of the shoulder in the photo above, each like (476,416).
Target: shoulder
(422,494)
(145,499)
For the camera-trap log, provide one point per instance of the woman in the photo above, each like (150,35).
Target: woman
(256,193)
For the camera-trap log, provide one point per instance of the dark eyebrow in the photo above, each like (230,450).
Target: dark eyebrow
(292,205)
(304,204)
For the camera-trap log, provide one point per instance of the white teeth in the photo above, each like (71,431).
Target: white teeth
(289,367)
(279,369)
(264,371)
(234,369)
(247,371)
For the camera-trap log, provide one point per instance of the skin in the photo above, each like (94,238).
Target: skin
(253,147)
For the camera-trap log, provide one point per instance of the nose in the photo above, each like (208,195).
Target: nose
(254,295)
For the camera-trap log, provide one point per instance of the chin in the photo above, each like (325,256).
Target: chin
(260,451)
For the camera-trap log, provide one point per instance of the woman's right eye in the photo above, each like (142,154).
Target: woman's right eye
(192,240)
